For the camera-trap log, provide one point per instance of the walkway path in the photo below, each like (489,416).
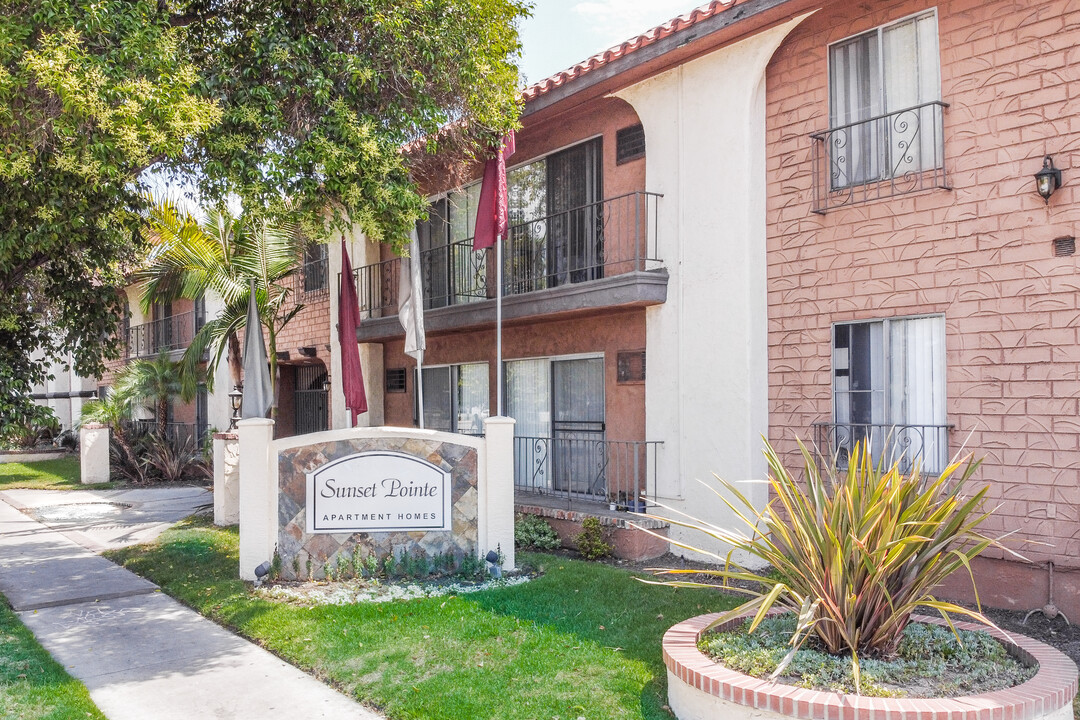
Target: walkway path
(140,653)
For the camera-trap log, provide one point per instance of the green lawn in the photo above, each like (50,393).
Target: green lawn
(62,474)
(32,685)
(581,641)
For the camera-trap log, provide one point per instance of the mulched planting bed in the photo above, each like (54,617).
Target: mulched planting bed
(929,662)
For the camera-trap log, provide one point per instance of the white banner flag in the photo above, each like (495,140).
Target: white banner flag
(411,302)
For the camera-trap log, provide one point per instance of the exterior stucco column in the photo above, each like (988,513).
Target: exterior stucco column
(497,492)
(94,453)
(706,393)
(226,479)
(258,502)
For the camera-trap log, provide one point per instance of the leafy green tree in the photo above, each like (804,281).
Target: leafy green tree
(271,100)
(223,254)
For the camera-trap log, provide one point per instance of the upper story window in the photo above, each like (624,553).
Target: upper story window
(889,386)
(315,273)
(556,236)
(885,113)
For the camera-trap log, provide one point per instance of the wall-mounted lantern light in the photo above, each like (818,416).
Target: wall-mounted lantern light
(1048,179)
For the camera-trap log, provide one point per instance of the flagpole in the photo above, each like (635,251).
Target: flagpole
(420,386)
(498,326)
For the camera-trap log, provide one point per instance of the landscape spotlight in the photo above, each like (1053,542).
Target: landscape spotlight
(262,571)
(493,558)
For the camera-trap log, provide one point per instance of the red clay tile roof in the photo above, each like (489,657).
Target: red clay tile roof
(671,27)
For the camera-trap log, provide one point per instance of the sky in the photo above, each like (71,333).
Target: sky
(561,33)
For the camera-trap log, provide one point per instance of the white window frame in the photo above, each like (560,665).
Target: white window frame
(937,455)
(930,156)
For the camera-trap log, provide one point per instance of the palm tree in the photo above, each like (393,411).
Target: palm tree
(156,382)
(223,254)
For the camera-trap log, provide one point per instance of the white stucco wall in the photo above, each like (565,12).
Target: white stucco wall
(218,407)
(706,393)
(361,253)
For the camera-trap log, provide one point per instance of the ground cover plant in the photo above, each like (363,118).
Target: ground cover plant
(854,548)
(32,685)
(930,661)
(582,640)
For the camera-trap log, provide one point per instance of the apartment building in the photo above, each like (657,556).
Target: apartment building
(918,283)
(775,219)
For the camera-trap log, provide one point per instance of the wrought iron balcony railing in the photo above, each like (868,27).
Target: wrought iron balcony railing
(171,333)
(620,472)
(925,446)
(179,434)
(893,154)
(312,280)
(601,239)
(377,288)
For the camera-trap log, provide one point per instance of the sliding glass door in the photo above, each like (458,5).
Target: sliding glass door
(559,408)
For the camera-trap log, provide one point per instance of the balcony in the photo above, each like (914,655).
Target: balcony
(575,469)
(598,255)
(173,333)
(893,154)
(923,446)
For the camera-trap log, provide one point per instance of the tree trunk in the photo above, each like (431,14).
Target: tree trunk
(236,362)
(163,415)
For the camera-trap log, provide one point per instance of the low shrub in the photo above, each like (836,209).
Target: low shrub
(39,426)
(532,532)
(169,460)
(590,542)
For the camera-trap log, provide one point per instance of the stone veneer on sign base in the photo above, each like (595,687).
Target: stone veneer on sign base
(699,688)
(295,542)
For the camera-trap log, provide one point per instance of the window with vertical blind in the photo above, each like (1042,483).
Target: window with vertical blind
(889,386)
(873,77)
(456,398)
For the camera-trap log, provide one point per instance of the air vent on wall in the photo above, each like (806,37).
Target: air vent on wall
(629,144)
(1064,246)
(631,366)
(395,380)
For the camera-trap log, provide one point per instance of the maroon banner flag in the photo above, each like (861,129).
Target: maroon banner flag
(352,375)
(492,220)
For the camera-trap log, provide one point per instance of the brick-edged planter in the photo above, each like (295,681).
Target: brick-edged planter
(699,688)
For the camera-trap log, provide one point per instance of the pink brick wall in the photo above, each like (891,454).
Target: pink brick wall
(981,253)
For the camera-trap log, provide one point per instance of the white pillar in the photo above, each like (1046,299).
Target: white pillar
(258,495)
(94,453)
(498,493)
(226,479)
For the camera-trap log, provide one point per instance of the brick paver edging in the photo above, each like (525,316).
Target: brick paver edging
(1053,686)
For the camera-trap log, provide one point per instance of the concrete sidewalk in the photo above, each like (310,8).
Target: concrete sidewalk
(140,653)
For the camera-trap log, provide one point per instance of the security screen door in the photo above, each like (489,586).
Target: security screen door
(559,407)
